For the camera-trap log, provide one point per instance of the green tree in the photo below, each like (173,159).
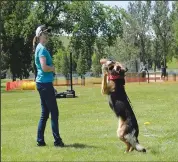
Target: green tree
(57,57)
(126,48)
(84,31)
(82,65)
(123,51)
(54,44)
(162,26)
(65,65)
(109,23)
(4,61)
(139,20)
(61,62)
(174,16)
(13,16)
(19,21)
(90,20)
(101,46)
(96,66)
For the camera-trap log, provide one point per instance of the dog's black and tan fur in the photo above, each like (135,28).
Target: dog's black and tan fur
(118,100)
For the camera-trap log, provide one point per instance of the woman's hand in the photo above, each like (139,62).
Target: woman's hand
(53,69)
(45,67)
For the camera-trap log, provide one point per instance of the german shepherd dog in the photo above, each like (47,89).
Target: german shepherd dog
(113,83)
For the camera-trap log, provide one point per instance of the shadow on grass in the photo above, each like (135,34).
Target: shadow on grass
(66,97)
(79,145)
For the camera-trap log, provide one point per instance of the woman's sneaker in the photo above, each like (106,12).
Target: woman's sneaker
(59,144)
(41,144)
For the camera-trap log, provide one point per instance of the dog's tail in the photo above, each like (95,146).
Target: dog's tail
(139,147)
(134,142)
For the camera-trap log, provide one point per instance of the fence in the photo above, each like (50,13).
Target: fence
(130,77)
(156,77)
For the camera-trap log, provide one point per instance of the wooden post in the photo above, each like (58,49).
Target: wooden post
(139,77)
(148,77)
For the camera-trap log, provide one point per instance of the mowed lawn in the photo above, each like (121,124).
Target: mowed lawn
(88,126)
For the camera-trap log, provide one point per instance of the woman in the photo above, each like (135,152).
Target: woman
(44,83)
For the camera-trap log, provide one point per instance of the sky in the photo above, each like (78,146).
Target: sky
(122,4)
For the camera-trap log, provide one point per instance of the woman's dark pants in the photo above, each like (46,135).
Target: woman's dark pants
(48,105)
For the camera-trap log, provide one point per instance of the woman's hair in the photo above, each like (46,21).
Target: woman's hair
(35,42)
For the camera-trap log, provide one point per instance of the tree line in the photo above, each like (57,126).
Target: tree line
(146,30)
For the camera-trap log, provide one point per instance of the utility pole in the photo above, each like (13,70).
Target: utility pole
(71,84)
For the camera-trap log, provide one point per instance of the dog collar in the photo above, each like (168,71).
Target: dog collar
(113,77)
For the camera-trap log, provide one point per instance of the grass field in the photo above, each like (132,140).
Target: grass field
(88,126)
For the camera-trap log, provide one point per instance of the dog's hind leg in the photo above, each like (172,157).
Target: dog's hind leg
(121,132)
(134,142)
(127,144)
(131,149)
(121,137)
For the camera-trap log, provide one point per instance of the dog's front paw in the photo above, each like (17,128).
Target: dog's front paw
(104,69)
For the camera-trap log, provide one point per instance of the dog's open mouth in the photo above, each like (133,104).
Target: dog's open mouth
(116,71)
(113,71)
